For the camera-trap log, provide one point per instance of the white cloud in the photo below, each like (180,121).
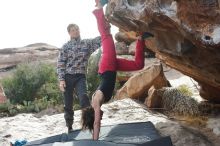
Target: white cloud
(30,21)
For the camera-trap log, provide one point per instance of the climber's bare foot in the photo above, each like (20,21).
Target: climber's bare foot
(96,2)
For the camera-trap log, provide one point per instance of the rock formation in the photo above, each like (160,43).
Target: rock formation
(135,87)
(187,35)
(10,57)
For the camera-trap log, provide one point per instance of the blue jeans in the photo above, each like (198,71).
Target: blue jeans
(75,82)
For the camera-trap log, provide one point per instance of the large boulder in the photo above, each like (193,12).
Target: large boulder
(121,48)
(154,99)
(186,35)
(138,85)
(127,37)
(132,47)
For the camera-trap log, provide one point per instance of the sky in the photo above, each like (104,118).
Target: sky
(24,22)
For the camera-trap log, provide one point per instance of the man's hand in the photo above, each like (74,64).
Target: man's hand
(62,86)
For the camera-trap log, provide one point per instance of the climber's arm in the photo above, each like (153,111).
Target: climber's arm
(96,103)
(97,124)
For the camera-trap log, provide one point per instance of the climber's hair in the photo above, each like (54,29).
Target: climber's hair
(87,118)
(72,26)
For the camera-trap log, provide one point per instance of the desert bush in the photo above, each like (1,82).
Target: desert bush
(30,81)
(93,78)
(32,87)
(185,90)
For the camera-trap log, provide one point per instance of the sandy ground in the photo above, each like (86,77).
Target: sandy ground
(30,127)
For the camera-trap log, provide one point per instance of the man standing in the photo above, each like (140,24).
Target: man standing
(71,69)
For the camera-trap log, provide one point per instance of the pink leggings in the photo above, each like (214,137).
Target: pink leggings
(109,61)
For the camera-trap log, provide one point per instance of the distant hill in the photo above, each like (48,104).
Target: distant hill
(39,44)
(10,57)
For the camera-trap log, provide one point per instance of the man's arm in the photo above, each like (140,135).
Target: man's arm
(61,63)
(93,44)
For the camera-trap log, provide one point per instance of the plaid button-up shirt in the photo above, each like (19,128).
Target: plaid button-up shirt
(74,55)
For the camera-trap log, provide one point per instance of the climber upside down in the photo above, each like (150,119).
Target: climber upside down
(108,66)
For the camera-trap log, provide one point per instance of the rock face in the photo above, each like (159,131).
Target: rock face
(187,35)
(10,57)
(131,48)
(127,37)
(154,99)
(135,87)
(121,48)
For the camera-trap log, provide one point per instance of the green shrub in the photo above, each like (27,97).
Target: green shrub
(27,81)
(4,106)
(76,105)
(93,78)
(185,90)
(51,92)
(27,107)
(33,87)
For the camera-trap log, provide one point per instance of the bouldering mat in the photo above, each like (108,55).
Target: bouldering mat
(129,134)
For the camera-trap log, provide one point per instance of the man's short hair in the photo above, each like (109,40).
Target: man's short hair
(72,26)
